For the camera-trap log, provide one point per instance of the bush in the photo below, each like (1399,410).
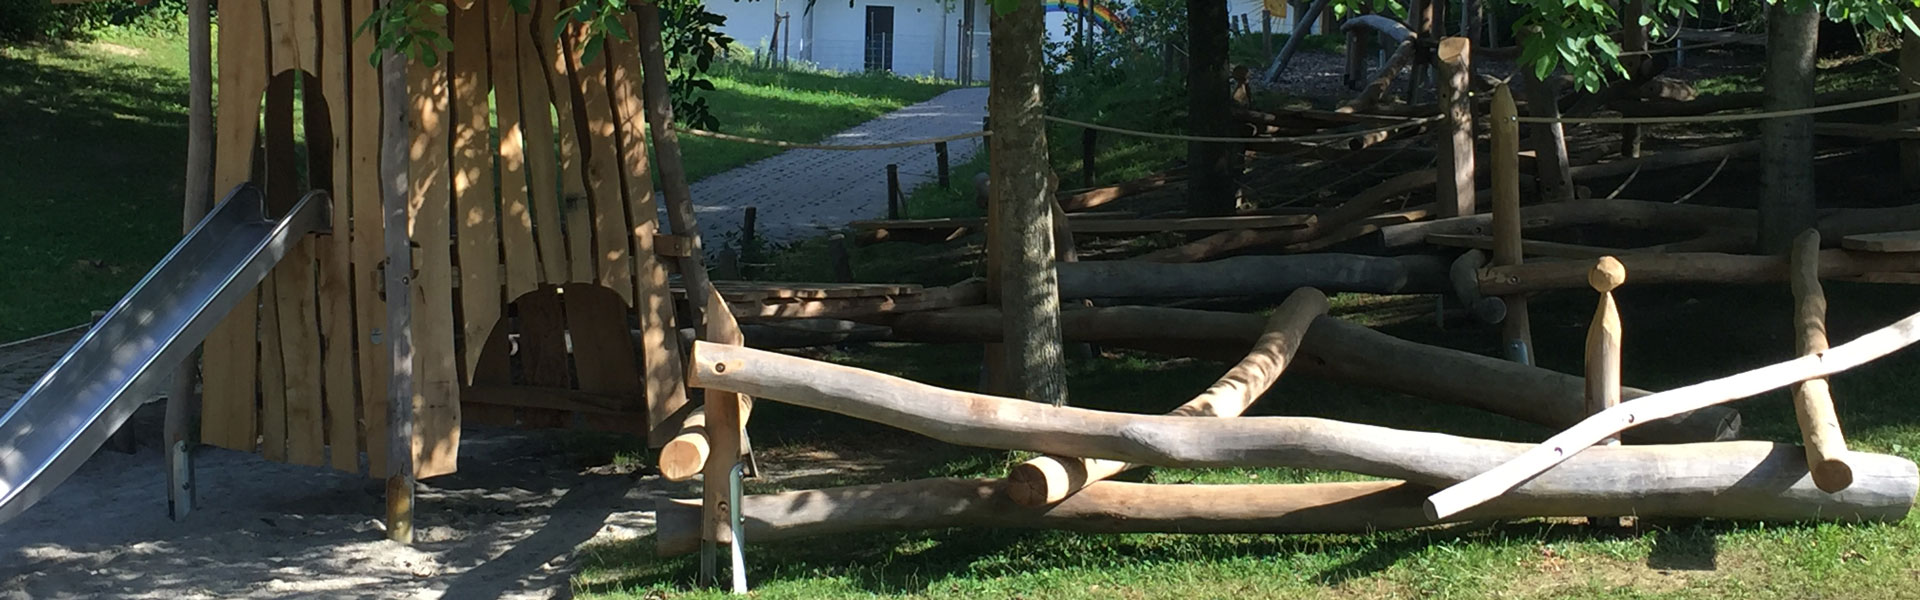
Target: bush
(44,21)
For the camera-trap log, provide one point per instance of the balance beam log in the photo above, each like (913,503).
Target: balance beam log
(985,421)
(1050,479)
(1574,440)
(1729,480)
(1342,351)
(1245,276)
(1690,267)
(1813,399)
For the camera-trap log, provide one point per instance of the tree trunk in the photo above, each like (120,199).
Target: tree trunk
(1786,179)
(1029,294)
(181,401)
(1211,189)
(1549,141)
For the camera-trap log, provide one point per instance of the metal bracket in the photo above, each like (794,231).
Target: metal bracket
(709,550)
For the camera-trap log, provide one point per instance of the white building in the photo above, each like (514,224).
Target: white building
(913,37)
(908,37)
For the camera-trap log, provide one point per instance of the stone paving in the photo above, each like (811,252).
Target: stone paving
(799,194)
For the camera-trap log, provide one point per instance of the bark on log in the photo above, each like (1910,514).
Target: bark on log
(1691,267)
(1454,191)
(1354,210)
(1625,213)
(1813,399)
(1006,423)
(1664,160)
(1050,479)
(1244,276)
(1574,440)
(1087,199)
(1743,488)
(1345,352)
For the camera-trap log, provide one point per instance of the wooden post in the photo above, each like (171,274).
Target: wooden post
(749,240)
(1454,193)
(1266,32)
(1603,356)
(1418,18)
(1089,143)
(1813,399)
(773,47)
(394,192)
(666,150)
(1517,329)
(940,165)
(724,420)
(181,401)
(1549,141)
(841,259)
(1633,38)
(1910,111)
(893,191)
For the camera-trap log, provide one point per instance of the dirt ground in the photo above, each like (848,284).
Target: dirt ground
(504,526)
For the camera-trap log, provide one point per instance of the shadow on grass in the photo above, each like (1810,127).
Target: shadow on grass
(92,171)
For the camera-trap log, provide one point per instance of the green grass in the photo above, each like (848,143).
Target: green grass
(92,172)
(94,162)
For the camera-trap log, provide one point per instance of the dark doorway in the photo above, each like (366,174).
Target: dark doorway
(879,38)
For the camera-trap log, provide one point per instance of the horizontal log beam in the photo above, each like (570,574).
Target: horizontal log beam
(1245,276)
(1690,267)
(1760,482)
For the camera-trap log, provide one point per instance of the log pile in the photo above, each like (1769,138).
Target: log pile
(1064,489)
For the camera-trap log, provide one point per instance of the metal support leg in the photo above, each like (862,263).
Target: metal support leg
(710,551)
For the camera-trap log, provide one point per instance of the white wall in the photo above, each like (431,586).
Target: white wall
(751,22)
(925,35)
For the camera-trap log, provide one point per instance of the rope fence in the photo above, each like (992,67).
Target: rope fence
(1798,112)
(1318,137)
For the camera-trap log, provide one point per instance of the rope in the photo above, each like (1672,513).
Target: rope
(1723,118)
(845,147)
(44,336)
(1319,137)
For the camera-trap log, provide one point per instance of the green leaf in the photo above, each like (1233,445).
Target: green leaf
(591,50)
(618,31)
(437,8)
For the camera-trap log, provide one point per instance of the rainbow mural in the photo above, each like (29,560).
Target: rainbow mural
(1101,15)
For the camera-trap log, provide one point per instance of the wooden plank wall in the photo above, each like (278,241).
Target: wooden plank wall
(531,211)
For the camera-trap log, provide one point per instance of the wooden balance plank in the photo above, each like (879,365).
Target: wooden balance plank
(603,351)
(543,165)
(1527,247)
(665,388)
(543,351)
(369,253)
(753,291)
(613,267)
(573,185)
(475,215)
(516,216)
(436,409)
(336,262)
(229,416)
(1891,241)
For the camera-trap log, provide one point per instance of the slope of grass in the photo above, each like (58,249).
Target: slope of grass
(94,162)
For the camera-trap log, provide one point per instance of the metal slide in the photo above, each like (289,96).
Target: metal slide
(66,415)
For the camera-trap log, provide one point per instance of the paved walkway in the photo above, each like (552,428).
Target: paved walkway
(802,193)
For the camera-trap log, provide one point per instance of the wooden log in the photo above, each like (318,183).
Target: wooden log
(436,405)
(1516,331)
(182,402)
(1691,267)
(1050,479)
(1774,491)
(686,455)
(1663,161)
(1549,141)
(1341,351)
(1242,276)
(1091,198)
(395,192)
(369,251)
(1464,275)
(1574,440)
(1356,209)
(1382,79)
(1603,339)
(1623,213)
(1453,191)
(1813,399)
(1005,423)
